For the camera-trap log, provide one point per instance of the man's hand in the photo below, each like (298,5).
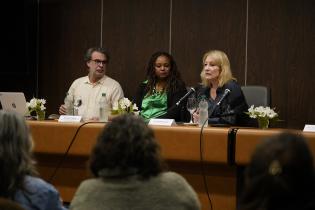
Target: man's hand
(62,109)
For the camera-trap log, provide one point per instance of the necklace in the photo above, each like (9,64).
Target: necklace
(157,91)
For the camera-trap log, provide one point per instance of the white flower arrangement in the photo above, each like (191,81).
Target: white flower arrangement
(124,106)
(261,112)
(36,105)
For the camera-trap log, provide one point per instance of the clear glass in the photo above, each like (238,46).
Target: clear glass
(191,107)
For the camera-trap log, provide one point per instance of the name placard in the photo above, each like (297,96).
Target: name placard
(163,122)
(69,118)
(309,128)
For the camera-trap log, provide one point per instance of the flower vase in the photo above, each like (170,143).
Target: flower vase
(263,123)
(40,115)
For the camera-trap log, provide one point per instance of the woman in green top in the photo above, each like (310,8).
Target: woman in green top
(156,97)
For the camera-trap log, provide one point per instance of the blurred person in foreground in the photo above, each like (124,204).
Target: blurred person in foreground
(129,174)
(216,78)
(17,167)
(156,97)
(280,175)
(87,91)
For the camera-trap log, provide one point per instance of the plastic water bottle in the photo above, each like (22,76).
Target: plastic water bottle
(69,104)
(203,112)
(77,103)
(103,109)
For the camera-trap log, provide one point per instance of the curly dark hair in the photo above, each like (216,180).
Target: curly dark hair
(126,147)
(16,159)
(172,80)
(280,175)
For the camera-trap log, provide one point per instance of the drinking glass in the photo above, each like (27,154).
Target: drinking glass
(191,107)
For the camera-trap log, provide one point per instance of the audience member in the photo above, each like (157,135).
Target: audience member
(280,175)
(129,173)
(17,170)
(216,78)
(156,97)
(88,90)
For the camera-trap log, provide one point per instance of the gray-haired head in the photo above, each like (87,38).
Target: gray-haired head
(88,53)
(16,159)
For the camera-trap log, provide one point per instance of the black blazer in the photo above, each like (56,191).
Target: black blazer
(231,110)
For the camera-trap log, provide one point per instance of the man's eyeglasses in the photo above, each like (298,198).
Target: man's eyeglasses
(99,62)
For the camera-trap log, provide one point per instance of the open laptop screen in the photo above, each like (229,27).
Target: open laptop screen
(13,101)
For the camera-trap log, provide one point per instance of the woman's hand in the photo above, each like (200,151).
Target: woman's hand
(196,116)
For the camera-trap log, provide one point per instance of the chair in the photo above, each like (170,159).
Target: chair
(257,95)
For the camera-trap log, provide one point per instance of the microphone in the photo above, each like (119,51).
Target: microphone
(192,90)
(226,92)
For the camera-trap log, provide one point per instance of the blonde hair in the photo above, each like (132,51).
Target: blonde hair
(221,60)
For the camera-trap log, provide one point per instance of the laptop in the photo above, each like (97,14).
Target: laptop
(13,101)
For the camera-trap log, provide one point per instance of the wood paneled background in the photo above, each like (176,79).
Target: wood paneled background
(269,43)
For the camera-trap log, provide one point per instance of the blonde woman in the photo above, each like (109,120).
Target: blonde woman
(218,84)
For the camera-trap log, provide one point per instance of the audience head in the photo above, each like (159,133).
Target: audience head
(218,62)
(15,153)
(162,67)
(96,59)
(124,148)
(280,175)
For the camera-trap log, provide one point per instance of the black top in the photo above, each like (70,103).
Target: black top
(232,108)
(179,113)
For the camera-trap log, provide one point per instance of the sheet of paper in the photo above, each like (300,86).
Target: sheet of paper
(164,122)
(309,128)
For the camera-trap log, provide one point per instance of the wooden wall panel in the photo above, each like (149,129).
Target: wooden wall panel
(280,55)
(67,29)
(280,44)
(132,32)
(130,36)
(199,26)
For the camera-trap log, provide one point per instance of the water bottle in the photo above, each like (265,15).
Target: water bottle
(69,104)
(77,103)
(103,109)
(203,112)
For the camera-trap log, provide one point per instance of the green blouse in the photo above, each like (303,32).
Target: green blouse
(154,105)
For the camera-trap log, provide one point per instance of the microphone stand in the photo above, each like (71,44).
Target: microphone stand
(179,102)
(201,147)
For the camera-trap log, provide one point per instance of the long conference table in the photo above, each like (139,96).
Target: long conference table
(209,163)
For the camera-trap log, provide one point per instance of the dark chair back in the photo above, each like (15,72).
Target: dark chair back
(257,95)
